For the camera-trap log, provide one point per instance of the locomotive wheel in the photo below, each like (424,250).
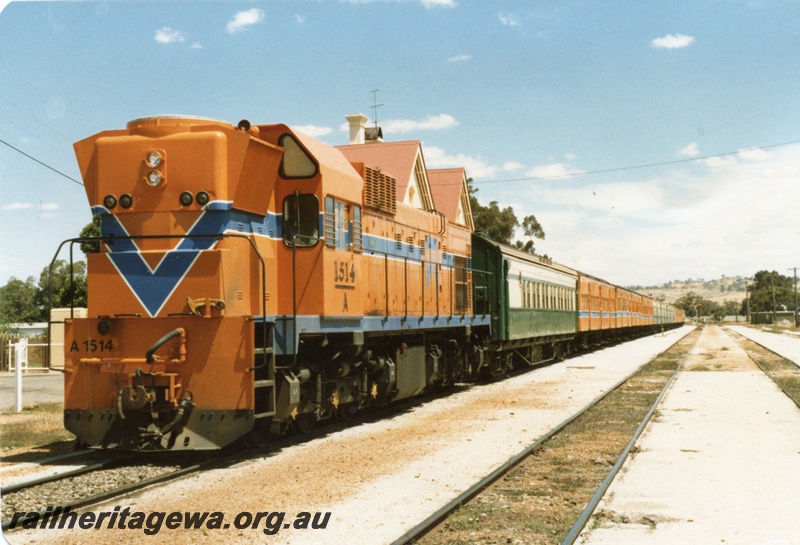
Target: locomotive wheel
(260,434)
(280,428)
(346,411)
(257,438)
(304,422)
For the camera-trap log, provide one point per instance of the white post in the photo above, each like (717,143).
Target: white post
(21,356)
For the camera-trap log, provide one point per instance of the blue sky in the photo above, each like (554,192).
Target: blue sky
(545,103)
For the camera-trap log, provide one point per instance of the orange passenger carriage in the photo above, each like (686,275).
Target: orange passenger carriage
(597,304)
(604,307)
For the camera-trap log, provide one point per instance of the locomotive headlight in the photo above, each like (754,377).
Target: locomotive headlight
(153,159)
(186,198)
(126,201)
(110,202)
(154,178)
(202,198)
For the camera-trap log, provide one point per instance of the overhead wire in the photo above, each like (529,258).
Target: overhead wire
(632,167)
(32,158)
(529,178)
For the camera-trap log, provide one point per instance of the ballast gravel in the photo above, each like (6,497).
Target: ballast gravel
(380,479)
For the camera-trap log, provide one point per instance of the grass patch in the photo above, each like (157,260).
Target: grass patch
(36,425)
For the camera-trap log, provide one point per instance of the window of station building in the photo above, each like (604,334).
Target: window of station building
(296,162)
(301,220)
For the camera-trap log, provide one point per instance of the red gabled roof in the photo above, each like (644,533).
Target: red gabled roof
(396,159)
(446,187)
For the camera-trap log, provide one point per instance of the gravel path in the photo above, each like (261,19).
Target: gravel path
(378,480)
(719,465)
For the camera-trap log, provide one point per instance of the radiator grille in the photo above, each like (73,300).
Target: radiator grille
(380,191)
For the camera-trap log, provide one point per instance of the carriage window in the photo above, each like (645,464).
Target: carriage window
(295,163)
(301,220)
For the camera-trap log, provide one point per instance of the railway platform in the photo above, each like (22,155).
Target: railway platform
(718,464)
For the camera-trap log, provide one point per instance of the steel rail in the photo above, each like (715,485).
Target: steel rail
(120,491)
(587,512)
(225,460)
(100,464)
(441,514)
(47,460)
(782,389)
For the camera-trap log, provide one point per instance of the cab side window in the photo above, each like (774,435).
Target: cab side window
(301,220)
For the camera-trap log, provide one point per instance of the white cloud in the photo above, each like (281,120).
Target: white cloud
(313,130)
(428,4)
(689,151)
(18,206)
(689,221)
(438,3)
(460,58)
(167,35)
(244,19)
(753,155)
(430,123)
(299,19)
(672,41)
(508,19)
(510,166)
(722,161)
(476,167)
(552,170)
(42,208)
(197,45)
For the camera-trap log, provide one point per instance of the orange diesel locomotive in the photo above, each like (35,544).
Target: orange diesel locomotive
(252,278)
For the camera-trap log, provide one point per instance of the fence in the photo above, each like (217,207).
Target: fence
(32,356)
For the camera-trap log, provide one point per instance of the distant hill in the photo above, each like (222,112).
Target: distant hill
(727,288)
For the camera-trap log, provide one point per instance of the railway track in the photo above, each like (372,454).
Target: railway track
(467,517)
(784,373)
(39,472)
(88,481)
(435,528)
(93,482)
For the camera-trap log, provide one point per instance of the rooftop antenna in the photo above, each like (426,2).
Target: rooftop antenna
(375,106)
